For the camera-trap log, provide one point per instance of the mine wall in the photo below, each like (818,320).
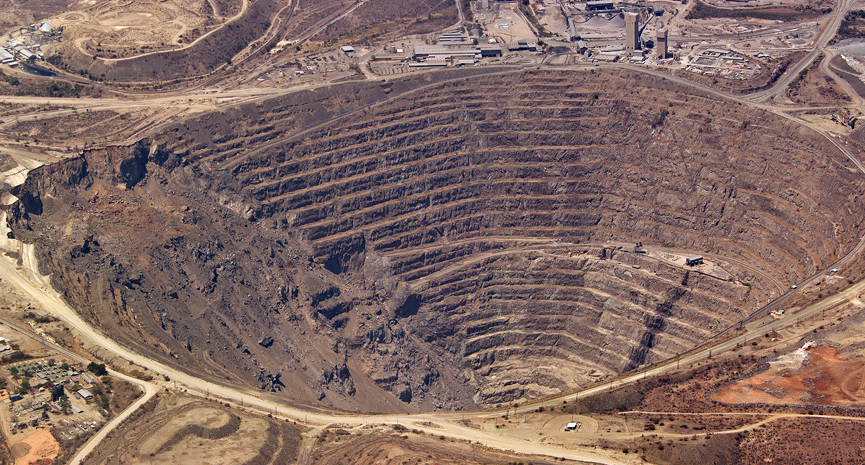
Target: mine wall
(438,248)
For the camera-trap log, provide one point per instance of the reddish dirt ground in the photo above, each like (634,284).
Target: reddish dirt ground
(41,448)
(823,379)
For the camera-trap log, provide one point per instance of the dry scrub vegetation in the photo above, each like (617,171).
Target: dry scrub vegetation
(805,441)
(814,87)
(399,445)
(391,18)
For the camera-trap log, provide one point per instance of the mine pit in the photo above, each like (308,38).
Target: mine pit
(437,248)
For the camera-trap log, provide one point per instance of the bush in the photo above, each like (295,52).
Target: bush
(97,369)
(14,357)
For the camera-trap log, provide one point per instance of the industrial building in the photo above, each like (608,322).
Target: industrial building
(661,44)
(454,46)
(582,46)
(694,261)
(390,57)
(26,55)
(524,45)
(446,52)
(632,32)
(572,426)
(453,38)
(488,51)
(599,5)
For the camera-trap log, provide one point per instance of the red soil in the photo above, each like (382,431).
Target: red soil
(823,379)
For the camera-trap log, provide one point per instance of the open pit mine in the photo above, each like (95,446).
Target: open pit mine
(441,241)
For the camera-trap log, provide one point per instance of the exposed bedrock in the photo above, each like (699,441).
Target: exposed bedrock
(440,248)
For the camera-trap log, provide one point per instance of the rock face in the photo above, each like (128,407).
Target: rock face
(440,248)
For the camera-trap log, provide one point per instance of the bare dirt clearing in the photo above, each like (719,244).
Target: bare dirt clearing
(812,86)
(174,428)
(806,376)
(38,447)
(207,51)
(121,29)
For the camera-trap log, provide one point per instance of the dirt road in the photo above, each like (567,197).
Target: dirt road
(149,391)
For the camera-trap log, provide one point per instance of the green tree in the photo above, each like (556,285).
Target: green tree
(97,369)
(25,387)
(64,404)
